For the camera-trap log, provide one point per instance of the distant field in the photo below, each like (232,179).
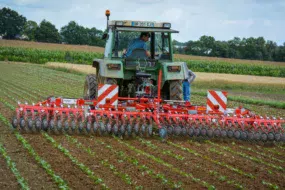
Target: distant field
(85,69)
(209,77)
(228,60)
(50,46)
(85,48)
(41,56)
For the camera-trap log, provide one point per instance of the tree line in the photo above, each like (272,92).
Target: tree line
(15,26)
(245,48)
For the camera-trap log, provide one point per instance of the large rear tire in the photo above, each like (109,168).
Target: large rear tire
(176,90)
(90,87)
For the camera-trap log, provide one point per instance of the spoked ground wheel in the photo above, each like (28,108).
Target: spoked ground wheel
(162,132)
(244,135)
(15,122)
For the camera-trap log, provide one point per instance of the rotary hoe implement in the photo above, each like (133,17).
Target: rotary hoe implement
(147,117)
(139,92)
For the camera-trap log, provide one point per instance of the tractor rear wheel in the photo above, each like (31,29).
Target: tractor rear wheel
(176,90)
(90,87)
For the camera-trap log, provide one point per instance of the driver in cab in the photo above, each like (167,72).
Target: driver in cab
(138,43)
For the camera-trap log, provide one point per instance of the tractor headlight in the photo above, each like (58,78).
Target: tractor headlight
(174,68)
(114,66)
(166,25)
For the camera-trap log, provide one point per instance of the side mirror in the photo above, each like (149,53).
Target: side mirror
(105,36)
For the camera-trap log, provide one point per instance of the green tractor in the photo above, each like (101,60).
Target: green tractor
(138,72)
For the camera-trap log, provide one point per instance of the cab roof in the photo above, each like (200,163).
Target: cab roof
(141,26)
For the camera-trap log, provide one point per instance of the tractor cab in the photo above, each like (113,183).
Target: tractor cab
(140,67)
(122,33)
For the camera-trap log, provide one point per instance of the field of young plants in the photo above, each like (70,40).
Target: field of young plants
(81,56)
(64,161)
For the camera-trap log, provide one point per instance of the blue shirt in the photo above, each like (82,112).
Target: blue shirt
(135,44)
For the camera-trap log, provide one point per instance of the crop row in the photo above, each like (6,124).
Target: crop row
(273,150)
(84,168)
(281,147)
(40,70)
(235,68)
(261,153)
(170,166)
(43,56)
(236,170)
(178,157)
(106,163)
(145,169)
(6,85)
(20,179)
(274,186)
(38,78)
(57,179)
(252,158)
(38,92)
(165,152)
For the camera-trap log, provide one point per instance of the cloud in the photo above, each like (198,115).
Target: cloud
(221,19)
(267,22)
(25,2)
(172,15)
(145,2)
(246,23)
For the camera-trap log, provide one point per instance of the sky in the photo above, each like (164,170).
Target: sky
(222,19)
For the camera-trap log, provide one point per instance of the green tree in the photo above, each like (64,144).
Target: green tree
(207,45)
(221,49)
(271,48)
(11,23)
(234,48)
(47,32)
(280,53)
(95,37)
(74,33)
(193,48)
(30,29)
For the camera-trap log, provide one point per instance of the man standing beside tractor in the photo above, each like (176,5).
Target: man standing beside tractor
(187,86)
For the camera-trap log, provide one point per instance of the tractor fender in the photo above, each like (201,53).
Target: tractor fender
(96,64)
(102,68)
(179,74)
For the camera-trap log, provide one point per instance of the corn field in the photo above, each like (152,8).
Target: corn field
(43,56)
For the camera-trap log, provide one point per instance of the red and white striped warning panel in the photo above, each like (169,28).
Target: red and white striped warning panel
(217,98)
(108,92)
